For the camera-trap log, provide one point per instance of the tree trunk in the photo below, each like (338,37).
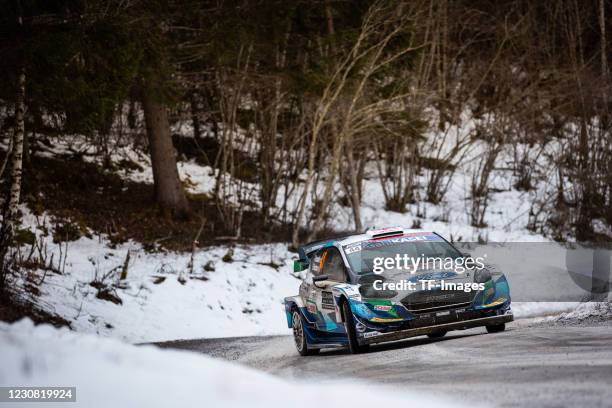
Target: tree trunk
(329,17)
(602,40)
(26,149)
(604,58)
(355,187)
(329,185)
(17,160)
(267,155)
(168,189)
(195,119)
(301,210)
(12,207)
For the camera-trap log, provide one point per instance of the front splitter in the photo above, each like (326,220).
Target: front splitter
(460,325)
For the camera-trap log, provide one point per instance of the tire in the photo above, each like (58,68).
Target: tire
(496,328)
(349,325)
(437,335)
(299,336)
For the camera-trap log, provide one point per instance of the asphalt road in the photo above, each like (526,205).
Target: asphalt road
(528,365)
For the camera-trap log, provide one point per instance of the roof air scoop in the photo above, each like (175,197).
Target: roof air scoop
(384,232)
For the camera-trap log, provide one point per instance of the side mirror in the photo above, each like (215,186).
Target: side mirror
(299,265)
(319,278)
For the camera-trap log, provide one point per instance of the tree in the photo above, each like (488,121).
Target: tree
(344,109)
(156,89)
(11,210)
(168,188)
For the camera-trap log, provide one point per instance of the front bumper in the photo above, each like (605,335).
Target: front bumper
(419,331)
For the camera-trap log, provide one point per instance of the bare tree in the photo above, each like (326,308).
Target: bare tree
(344,98)
(11,211)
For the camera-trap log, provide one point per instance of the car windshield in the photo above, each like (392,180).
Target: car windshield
(361,255)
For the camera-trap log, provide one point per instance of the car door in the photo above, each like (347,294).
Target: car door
(308,291)
(330,263)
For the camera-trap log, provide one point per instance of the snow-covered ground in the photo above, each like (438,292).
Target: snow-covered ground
(109,373)
(523,310)
(507,214)
(602,310)
(238,298)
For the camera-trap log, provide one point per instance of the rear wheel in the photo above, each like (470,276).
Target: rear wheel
(437,335)
(496,328)
(299,336)
(349,325)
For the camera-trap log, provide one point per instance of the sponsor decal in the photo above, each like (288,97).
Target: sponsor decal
(383,306)
(432,276)
(311,306)
(386,319)
(349,290)
(379,243)
(496,302)
(371,334)
(327,300)
(352,249)
(438,297)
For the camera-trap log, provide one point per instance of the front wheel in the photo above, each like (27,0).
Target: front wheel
(436,335)
(299,336)
(349,325)
(496,328)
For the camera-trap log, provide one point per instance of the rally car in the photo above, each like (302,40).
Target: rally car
(343,302)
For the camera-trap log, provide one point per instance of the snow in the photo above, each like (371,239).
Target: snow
(587,310)
(107,372)
(564,312)
(238,298)
(507,214)
(523,310)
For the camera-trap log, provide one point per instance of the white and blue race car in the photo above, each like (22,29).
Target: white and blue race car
(345,301)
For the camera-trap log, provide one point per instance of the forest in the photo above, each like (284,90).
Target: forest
(291,105)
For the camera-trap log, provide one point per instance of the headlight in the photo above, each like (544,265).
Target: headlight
(368,291)
(482,276)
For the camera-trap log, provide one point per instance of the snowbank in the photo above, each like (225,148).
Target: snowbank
(601,310)
(539,309)
(108,373)
(161,300)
